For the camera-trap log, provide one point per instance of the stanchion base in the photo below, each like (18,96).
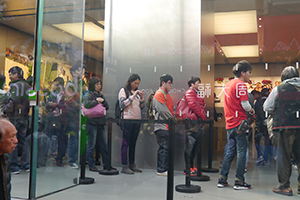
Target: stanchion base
(188,189)
(200,178)
(108,172)
(210,170)
(84,181)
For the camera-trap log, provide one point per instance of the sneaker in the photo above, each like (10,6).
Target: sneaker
(73,165)
(266,163)
(298,191)
(165,173)
(287,191)
(59,163)
(259,160)
(222,183)
(94,169)
(15,171)
(294,166)
(112,168)
(193,172)
(26,168)
(241,186)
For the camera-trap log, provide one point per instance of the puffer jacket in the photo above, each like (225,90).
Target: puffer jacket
(196,103)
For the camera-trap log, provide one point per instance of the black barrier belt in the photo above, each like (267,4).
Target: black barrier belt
(172,122)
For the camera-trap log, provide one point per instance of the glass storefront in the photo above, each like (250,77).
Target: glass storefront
(112,40)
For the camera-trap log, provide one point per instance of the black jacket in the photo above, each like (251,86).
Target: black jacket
(90,101)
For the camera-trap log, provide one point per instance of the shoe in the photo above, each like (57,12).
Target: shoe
(222,183)
(241,186)
(59,163)
(193,172)
(73,165)
(298,191)
(165,173)
(126,170)
(266,163)
(15,171)
(134,169)
(26,168)
(94,169)
(259,160)
(112,168)
(294,166)
(287,191)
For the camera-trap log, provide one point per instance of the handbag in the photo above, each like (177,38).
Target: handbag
(94,112)
(183,111)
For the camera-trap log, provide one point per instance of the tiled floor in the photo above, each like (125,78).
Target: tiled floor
(148,185)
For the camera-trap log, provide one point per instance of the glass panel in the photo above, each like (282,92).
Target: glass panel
(17,49)
(60,93)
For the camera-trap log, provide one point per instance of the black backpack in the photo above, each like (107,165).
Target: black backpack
(118,110)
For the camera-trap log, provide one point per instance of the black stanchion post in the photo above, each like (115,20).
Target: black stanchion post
(210,151)
(82,178)
(187,187)
(170,182)
(200,176)
(109,170)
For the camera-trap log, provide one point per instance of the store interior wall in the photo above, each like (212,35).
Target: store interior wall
(164,39)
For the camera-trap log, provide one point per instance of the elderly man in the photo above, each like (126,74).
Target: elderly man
(284,104)
(8,142)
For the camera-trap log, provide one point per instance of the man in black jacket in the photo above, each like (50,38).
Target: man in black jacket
(8,142)
(17,110)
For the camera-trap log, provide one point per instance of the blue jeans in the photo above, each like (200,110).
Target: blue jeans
(236,144)
(21,126)
(73,142)
(96,133)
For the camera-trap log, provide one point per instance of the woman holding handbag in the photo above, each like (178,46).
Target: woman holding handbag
(95,128)
(131,101)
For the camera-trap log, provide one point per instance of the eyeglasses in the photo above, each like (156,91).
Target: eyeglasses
(170,82)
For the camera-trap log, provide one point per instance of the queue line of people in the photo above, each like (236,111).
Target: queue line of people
(64,104)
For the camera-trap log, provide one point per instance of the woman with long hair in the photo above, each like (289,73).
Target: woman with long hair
(131,100)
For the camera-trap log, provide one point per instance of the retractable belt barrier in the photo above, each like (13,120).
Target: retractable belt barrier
(170,181)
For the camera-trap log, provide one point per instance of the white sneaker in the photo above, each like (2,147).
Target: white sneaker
(294,166)
(74,165)
(162,173)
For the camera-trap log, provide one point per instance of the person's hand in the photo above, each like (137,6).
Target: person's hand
(135,93)
(141,93)
(252,111)
(100,100)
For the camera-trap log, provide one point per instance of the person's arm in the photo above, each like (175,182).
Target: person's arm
(160,107)
(89,100)
(196,105)
(269,105)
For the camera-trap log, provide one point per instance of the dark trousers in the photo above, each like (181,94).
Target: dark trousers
(191,147)
(130,135)
(162,137)
(288,144)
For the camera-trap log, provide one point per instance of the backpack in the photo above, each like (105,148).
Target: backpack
(149,104)
(118,110)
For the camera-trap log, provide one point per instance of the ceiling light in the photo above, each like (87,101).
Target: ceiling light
(92,32)
(235,22)
(241,51)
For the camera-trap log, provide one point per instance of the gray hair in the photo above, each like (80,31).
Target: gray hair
(289,72)
(2,130)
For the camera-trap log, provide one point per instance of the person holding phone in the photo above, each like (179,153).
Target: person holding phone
(132,110)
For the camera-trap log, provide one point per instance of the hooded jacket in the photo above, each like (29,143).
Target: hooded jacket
(284,104)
